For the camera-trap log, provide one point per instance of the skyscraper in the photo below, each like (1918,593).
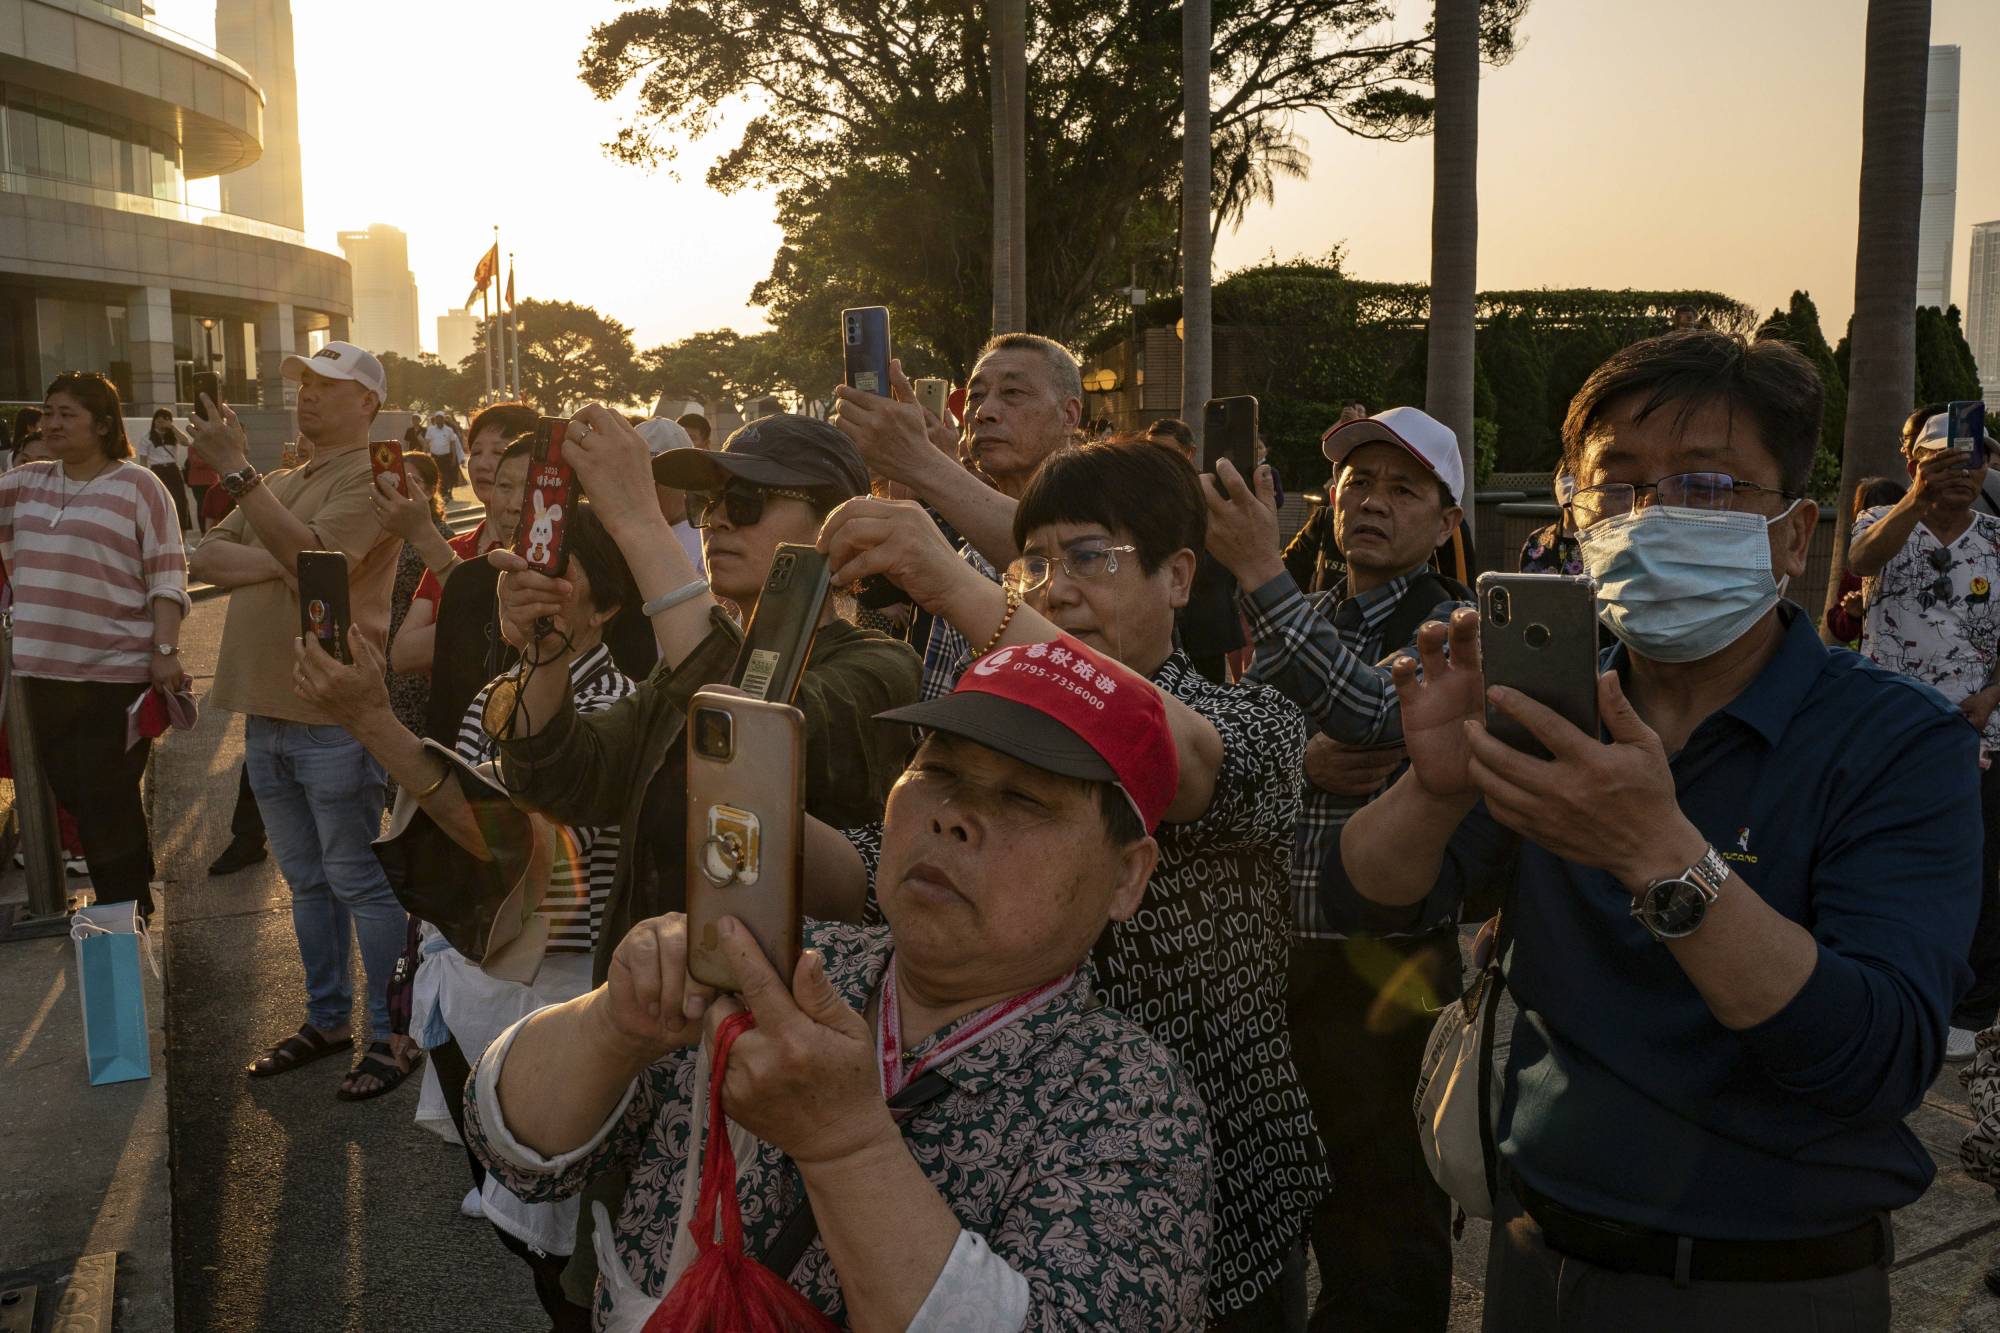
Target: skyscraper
(455,333)
(1938,228)
(385,292)
(257,34)
(1982,303)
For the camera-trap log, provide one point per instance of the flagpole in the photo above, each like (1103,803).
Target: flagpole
(486,323)
(514,322)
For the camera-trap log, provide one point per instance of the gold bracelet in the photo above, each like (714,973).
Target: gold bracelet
(1013,605)
(435,785)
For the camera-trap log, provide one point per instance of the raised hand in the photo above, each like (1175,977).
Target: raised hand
(526,598)
(220,440)
(612,464)
(650,1004)
(867,536)
(1441,706)
(1243,529)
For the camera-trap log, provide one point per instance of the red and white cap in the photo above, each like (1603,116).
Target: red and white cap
(341,361)
(1063,708)
(1428,440)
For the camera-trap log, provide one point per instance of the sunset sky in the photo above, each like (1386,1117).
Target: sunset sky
(1704,143)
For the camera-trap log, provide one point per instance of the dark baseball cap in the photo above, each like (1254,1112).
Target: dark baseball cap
(785,450)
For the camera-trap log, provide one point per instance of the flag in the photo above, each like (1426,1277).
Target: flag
(487,270)
(510,286)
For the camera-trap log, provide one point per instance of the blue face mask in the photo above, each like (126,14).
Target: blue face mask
(1678,585)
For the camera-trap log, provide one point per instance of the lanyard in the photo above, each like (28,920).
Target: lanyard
(889,1028)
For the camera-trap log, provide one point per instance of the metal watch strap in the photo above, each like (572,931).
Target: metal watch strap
(1711,872)
(239,482)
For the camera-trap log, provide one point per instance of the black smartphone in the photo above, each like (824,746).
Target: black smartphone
(1538,634)
(546,505)
(864,339)
(210,383)
(1968,430)
(323,601)
(1229,430)
(781,631)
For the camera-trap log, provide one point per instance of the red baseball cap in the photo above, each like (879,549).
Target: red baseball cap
(1068,710)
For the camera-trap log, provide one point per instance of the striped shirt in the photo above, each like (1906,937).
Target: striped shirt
(87,559)
(587,860)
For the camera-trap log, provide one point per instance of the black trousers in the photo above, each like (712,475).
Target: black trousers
(1980,1005)
(177,487)
(1361,1012)
(80,740)
(246,820)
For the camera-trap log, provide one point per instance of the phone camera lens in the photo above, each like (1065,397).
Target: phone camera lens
(713,734)
(1498,607)
(1537,636)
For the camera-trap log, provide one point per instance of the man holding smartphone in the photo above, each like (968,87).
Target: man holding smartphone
(1735,922)
(1929,565)
(1359,1003)
(318,791)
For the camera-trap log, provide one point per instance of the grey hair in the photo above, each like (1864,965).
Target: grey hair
(1065,373)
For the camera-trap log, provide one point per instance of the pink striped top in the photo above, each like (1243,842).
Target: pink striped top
(84,574)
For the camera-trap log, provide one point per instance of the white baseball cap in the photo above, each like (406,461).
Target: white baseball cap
(1936,434)
(1427,439)
(341,361)
(662,434)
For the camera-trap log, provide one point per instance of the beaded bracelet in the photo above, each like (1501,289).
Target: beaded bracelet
(1013,605)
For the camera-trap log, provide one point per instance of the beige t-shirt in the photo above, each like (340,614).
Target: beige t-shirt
(254,672)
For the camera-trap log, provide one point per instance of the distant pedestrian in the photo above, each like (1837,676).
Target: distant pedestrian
(1845,619)
(163,452)
(445,448)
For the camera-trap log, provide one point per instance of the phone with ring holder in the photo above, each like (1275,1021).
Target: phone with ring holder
(745,831)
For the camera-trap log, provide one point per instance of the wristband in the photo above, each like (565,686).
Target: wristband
(667,601)
(1013,605)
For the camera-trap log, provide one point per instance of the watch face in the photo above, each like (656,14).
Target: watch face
(1675,908)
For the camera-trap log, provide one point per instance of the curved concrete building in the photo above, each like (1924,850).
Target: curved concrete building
(104,265)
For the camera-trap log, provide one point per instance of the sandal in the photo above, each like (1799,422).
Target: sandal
(301,1048)
(379,1063)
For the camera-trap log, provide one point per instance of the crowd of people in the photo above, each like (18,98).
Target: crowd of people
(1140,844)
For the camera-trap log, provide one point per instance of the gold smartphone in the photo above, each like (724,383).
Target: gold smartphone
(934,394)
(745,830)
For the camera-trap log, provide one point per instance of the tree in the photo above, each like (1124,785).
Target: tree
(1798,324)
(1881,369)
(1515,362)
(869,122)
(1197,187)
(570,354)
(1945,368)
(725,365)
(424,383)
(1455,224)
(1008,44)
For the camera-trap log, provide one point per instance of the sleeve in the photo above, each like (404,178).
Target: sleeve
(1480,864)
(1300,654)
(867,840)
(844,747)
(346,523)
(1110,1222)
(429,589)
(162,553)
(1256,800)
(946,656)
(231,527)
(1301,553)
(1895,892)
(539,1179)
(1867,519)
(10,491)
(1841,625)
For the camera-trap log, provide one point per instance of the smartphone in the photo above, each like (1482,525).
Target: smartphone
(1968,430)
(1538,634)
(210,383)
(745,830)
(781,630)
(864,337)
(935,395)
(1229,430)
(385,459)
(323,601)
(550,496)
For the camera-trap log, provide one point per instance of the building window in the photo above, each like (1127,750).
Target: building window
(56,139)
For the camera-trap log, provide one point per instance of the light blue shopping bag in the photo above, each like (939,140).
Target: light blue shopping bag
(109,940)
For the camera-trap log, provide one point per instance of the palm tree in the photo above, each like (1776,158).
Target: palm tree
(1197,185)
(1249,156)
(1007,22)
(1882,362)
(1454,223)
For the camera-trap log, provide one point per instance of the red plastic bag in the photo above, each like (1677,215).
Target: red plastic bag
(725,1291)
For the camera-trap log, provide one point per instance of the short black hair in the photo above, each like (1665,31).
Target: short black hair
(27,422)
(517,447)
(586,538)
(1772,382)
(1138,486)
(1121,819)
(99,397)
(1174,428)
(510,419)
(1874,492)
(694,423)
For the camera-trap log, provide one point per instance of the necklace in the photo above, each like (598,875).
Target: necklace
(67,496)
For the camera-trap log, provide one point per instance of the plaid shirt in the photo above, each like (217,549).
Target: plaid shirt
(946,652)
(1320,652)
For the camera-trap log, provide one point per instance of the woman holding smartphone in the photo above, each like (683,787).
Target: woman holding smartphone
(99,575)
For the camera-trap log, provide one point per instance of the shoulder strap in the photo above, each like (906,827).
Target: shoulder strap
(1414,607)
(801,1229)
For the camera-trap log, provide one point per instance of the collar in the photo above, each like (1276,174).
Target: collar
(589,666)
(1768,703)
(1375,605)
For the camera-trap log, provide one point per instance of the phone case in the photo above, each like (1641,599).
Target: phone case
(745,832)
(323,600)
(206,382)
(1968,430)
(935,395)
(1229,430)
(1538,634)
(385,459)
(864,336)
(551,493)
(783,626)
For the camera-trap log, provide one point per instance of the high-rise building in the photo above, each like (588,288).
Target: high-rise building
(385,292)
(1937,230)
(1982,304)
(257,34)
(456,329)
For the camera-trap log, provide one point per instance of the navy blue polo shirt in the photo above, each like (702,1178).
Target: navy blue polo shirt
(1844,795)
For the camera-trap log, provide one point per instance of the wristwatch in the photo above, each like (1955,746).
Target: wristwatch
(239,482)
(1674,908)
(166,649)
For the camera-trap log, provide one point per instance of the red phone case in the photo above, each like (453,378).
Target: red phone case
(545,510)
(385,459)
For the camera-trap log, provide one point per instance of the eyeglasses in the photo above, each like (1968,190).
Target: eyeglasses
(1685,490)
(744,504)
(1941,561)
(1079,562)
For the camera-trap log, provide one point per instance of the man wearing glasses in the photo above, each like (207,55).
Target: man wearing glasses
(1738,917)
(1930,563)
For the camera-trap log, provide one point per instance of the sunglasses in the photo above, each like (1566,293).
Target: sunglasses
(743,504)
(1941,561)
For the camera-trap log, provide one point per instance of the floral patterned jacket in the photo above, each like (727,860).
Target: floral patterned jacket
(1070,1141)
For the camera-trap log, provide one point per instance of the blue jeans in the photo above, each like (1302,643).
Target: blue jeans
(321,797)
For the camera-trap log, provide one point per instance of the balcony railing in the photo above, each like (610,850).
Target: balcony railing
(97,9)
(75,192)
